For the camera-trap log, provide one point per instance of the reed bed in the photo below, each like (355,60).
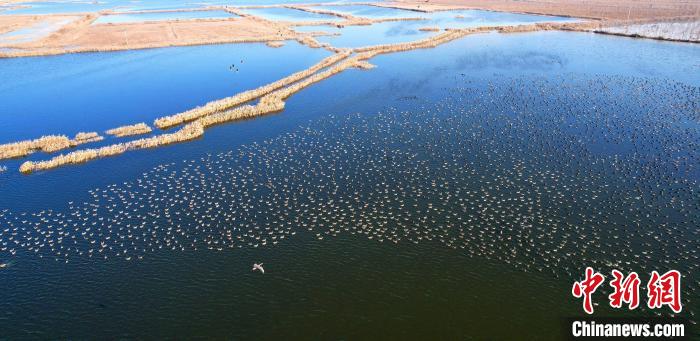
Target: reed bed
(178,10)
(349,18)
(582,26)
(130,130)
(449,35)
(175,20)
(320,11)
(58,51)
(274,101)
(681,29)
(271,98)
(186,133)
(239,13)
(411,7)
(47,144)
(82,138)
(275,44)
(309,41)
(679,32)
(380,20)
(229,102)
(269,103)
(355,61)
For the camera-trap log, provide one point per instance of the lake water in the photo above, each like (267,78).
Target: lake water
(445,19)
(373,12)
(161,16)
(447,193)
(477,18)
(375,34)
(289,14)
(404,31)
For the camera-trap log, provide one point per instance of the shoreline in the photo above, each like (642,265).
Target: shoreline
(82,35)
(270,97)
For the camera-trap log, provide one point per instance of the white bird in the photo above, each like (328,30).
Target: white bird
(257,266)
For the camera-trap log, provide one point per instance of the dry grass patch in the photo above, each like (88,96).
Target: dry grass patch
(188,132)
(47,144)
(130,130)
(275,44)
(243,97)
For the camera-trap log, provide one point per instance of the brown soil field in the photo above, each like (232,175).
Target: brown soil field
(600,9)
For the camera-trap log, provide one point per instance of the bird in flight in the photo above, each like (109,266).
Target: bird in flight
(257,266)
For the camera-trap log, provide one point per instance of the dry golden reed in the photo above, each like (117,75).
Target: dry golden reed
(130,130)
(320,11)
(271,98)
(309,41)
(19,52)
(188,132)
(275,44)
(229,102)
(47,144)
(178,10)
(269,103)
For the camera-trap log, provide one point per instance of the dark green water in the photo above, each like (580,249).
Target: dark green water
(449,193)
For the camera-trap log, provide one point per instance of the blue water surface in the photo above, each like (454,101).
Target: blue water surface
(347,286)
(161,16)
